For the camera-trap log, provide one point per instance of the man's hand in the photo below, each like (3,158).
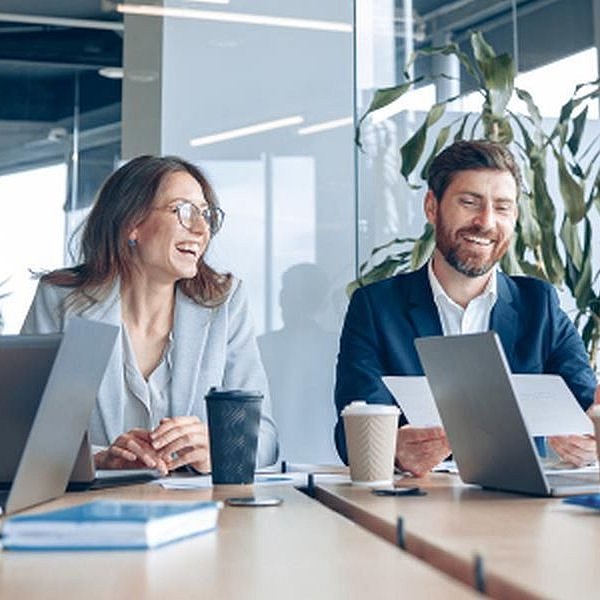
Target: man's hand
(131,450)
(419,449)
(182,441)
(579,450)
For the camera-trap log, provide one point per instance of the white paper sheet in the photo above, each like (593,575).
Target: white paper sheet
(548,406)
(202,482)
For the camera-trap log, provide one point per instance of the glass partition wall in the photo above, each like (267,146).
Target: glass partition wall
(554,46)
(262,95)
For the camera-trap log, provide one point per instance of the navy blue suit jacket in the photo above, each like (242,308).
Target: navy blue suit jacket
(384,318)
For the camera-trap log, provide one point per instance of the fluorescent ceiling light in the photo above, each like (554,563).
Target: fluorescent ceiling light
(231,17)
(244,131)
(111,72)
(325,126)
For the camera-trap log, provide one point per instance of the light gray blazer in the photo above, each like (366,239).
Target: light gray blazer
(211,347)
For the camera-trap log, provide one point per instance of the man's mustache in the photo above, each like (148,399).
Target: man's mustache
(488,234)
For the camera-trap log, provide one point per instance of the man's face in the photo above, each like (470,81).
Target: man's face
(475,219)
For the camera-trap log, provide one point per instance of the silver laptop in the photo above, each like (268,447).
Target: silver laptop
(68,392)
(25,365)
(470,382)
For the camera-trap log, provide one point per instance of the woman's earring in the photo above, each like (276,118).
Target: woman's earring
(132,243)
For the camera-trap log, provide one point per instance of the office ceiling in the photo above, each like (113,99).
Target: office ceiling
(51,52)
(41,52)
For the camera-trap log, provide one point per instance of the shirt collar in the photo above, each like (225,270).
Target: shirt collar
(490,290)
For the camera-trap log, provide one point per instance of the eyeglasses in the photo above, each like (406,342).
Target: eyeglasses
(193,218)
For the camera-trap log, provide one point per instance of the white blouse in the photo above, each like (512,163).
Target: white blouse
(147,400)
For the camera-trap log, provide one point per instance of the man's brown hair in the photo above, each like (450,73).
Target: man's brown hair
(467,156)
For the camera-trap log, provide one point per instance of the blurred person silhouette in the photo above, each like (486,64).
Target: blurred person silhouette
(299,360)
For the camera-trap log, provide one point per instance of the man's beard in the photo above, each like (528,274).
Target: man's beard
(464,267)
(460,259)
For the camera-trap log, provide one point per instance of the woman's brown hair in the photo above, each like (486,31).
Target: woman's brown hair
(124,201)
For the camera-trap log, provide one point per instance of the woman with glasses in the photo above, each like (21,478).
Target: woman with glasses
(184,327)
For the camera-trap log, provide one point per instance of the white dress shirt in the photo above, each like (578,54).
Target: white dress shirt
(457,320)
(147,400)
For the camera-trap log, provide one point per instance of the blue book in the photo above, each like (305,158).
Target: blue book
(587,500)
(110,525)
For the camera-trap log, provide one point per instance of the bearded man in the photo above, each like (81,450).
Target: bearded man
(472,203)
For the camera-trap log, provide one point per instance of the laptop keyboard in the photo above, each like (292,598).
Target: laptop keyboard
(556,480)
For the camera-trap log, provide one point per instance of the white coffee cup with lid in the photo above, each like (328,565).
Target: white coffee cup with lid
(371,442)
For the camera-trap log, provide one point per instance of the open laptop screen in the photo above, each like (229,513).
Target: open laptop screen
(25,364)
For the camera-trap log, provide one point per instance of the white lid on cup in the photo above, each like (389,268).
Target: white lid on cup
(360,407)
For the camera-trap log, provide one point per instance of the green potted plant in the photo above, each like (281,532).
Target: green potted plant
(563,258)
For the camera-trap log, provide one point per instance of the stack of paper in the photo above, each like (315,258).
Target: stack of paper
(110,524)
(548,405)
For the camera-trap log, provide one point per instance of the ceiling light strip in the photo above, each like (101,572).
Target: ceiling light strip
(61,21)
(232,17)
(244,131)
(325,126)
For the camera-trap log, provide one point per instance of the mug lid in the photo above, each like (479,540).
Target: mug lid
(228,394)
(360,407)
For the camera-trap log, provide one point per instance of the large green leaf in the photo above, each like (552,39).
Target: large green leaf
(530,231)
(412,151)
(510,261)
(533,110)
(530,146)
(583,289)
(449,49)
(459,135)
(595,194)
(385,96)
(424,247)
(499,77)
(440,141)
(578,126)
(497,129)
(592,164)
(552,263)
(567,109)
(578,272)
(382,98)
(571,191)
(482,51)
(476,122)
(532,270)
(570,236)
(498,74)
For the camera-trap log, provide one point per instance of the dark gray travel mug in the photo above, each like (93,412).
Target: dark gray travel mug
(233,425)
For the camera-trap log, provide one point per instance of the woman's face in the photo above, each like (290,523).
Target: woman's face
(165,251)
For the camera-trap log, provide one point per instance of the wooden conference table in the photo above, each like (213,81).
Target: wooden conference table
(529,547)
(300,549)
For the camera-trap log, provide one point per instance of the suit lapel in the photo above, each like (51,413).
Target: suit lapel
(423,311)
(190,331)
(504,317)
(111,399)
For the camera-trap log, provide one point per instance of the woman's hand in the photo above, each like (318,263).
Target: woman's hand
(182,441)
(131,450)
